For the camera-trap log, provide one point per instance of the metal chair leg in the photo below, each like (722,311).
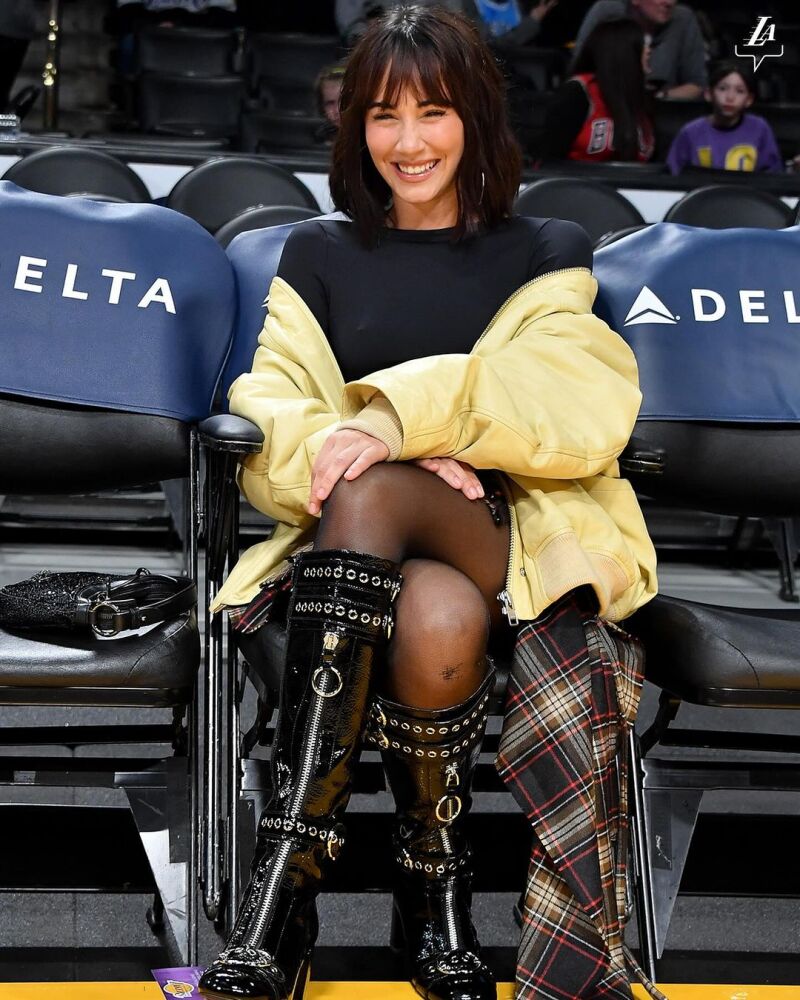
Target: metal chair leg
(643,895)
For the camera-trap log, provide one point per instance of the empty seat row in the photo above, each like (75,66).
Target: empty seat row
(243,192)
(213,193)
(603,211)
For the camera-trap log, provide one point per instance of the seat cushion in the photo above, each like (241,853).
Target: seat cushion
(157,667)
(712,655)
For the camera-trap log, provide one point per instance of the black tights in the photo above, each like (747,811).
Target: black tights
(453,559)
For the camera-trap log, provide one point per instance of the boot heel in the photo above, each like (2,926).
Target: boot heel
(397,936)
(303,977)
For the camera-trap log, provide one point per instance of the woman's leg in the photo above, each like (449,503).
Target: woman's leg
(340,606)
(338,620)
(454,559)
(430,715)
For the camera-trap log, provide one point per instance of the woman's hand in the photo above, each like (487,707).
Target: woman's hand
(459,475)
(345,453)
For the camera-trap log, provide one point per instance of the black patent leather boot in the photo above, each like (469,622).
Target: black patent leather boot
(340,615)
(430,757)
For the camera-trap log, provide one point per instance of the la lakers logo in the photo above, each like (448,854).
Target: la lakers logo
(761,43)
(177,989)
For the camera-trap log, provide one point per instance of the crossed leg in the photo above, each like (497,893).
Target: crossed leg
(453,558)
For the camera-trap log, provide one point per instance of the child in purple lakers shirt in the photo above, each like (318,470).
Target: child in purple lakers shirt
(729,138)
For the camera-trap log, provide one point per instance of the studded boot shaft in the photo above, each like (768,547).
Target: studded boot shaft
(430,757)
(339,615)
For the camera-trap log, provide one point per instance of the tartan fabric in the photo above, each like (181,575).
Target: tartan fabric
(572,695)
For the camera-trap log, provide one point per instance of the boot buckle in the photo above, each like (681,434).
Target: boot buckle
(315,682)
(448,808)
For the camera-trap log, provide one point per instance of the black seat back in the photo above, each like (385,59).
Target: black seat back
(190,106)
(729,206)
(68,170)
(184,50)
(598,207)
(222,188)
(262,218)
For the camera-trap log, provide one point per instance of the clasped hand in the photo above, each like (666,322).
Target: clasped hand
(347,453)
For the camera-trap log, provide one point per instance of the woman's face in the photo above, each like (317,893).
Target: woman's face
(416,147)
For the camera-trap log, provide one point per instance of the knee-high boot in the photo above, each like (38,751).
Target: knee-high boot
(430,757)
(340,613)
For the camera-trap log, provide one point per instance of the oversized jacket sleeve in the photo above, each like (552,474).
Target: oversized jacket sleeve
(550,391)
(295,405)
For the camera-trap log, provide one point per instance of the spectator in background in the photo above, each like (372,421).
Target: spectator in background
(677,60)
(601,112)
(206,13)
(17,27)
(498,19)
(729,138)
(329,88)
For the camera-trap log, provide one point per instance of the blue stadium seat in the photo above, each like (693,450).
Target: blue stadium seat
(112,350)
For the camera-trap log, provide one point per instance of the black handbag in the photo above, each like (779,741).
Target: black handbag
(103,603)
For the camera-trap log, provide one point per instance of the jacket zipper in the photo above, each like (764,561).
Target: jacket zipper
(266,902)
(519,291)
(504,597)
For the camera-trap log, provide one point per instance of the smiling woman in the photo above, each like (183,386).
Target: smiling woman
(434,111)
(442,414)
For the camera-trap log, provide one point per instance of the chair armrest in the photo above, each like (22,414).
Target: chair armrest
(640,457)
(227,432)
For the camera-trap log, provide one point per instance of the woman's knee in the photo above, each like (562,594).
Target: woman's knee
(437,653)
(364,495)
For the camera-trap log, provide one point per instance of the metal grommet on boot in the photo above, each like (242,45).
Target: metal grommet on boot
(430,757)
(339,615)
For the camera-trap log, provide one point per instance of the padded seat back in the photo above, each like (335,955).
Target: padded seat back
(730,206)
(188,51)
(216,191)
(68,170)
(190,106)
(712,317)
(110,344)
(598,207)
(255,257)
(262,218)
(282,68)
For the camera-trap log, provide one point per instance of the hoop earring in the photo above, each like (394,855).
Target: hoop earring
(483,185)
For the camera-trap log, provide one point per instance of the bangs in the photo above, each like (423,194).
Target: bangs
(416,68)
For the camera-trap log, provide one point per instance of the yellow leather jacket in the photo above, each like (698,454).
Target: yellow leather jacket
(548,395)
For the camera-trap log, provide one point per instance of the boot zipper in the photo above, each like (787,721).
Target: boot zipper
(264,907)
(449,907)
(448,897)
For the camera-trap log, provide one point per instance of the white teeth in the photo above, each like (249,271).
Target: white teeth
(417,170)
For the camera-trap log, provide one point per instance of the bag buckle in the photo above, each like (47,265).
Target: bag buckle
(105,633)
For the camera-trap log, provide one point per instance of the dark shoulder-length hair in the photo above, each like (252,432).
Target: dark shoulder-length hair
(613,52)
(440,57)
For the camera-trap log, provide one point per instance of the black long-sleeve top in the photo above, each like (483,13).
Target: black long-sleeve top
(418,293)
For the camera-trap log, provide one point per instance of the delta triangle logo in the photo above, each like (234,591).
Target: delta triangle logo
(648,308)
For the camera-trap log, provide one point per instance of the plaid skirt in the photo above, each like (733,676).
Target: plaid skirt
(572,697)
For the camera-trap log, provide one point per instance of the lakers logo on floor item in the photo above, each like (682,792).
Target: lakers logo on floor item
(176,989)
